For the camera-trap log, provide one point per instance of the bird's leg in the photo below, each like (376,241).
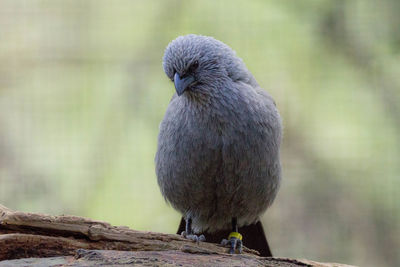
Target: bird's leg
(234,239)
(188,233)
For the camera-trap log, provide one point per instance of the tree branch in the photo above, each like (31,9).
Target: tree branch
(76,241)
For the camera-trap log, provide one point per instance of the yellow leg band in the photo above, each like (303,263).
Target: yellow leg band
(235,234)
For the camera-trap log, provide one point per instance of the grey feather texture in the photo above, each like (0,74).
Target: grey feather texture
(218,146)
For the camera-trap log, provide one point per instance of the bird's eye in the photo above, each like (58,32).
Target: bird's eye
(194,66)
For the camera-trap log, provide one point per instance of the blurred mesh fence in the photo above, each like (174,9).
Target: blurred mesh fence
(82,92)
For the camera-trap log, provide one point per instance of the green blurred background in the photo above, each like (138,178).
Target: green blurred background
(82,92)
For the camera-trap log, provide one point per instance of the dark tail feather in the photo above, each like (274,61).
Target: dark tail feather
(253,237)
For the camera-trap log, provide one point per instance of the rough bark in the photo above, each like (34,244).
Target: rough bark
(39,239)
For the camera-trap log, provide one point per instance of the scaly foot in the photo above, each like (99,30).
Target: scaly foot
(234,241)
(193,237)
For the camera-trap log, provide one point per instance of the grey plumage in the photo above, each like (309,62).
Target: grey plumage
(218,146)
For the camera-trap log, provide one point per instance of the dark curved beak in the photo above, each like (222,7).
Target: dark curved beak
(182,84)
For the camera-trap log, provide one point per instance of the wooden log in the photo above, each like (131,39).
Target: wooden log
(76,241)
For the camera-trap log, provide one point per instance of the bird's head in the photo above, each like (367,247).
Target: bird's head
(201,63)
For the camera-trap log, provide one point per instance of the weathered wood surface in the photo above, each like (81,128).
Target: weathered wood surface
(39,239)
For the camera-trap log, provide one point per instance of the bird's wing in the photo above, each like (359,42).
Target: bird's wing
(265,96)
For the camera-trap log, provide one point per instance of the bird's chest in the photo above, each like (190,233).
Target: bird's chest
(194,143)
(199,129)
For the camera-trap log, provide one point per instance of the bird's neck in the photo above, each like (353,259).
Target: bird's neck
(211,99)
(205,94)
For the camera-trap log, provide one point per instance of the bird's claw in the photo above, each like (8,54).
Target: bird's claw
(235,243)
(196,238)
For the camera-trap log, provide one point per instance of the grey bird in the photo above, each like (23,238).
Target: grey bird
(217,160)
